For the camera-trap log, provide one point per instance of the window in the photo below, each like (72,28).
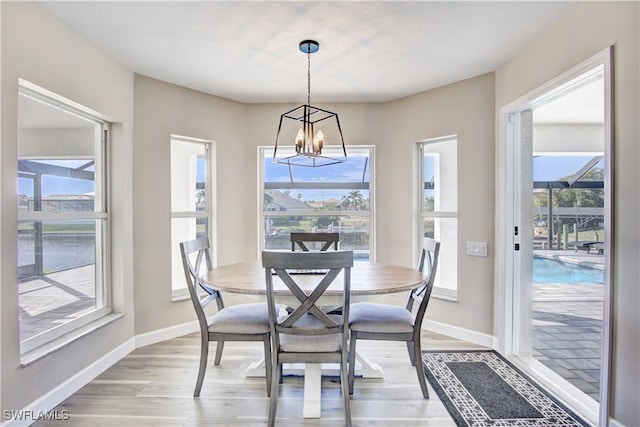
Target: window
(438,204)
(63,220)
(336,198)
(191,196)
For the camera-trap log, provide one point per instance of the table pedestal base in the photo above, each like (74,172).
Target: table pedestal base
(313,378)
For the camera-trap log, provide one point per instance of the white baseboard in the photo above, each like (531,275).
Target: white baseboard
(164,334)
(53,398)
(459,333)
(41,406)
(615,423)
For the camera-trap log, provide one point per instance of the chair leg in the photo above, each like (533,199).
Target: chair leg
(352,359)
(268,362)
(204,355)
(344,382)
(273,401)
(411,349)
(420,368)
(219,348)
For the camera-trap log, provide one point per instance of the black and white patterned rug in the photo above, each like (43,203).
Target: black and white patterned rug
(481,388)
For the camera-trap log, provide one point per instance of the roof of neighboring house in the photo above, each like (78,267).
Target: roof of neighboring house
(287,202)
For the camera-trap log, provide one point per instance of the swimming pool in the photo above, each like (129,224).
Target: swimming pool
(552,271)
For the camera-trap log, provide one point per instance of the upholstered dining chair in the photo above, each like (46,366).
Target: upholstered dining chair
(242,322)
(327,240)
(307,334)
(385,322)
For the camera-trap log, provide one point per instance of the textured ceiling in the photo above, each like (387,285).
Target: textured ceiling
(369,51)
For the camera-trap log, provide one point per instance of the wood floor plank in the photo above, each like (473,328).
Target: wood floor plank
(153,386)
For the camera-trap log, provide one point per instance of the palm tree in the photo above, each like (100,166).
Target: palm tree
(354,200)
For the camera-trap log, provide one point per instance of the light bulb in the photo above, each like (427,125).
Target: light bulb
(299,140)
(318,142)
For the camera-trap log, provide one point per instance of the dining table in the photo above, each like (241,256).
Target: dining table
(368,281)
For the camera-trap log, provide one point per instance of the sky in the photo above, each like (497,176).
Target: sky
(545,168)
(552,168)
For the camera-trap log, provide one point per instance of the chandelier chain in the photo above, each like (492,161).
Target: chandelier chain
(309,76)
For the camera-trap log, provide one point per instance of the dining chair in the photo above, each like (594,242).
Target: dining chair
(327,239)
(307,334)
(242,322)
(385,322)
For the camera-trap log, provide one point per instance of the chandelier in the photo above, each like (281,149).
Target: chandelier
(309,138)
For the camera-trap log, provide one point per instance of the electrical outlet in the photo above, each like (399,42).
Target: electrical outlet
(477,248)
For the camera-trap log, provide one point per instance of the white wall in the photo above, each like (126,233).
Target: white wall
(465,109)
(162,110)
(31,45)
(584,31)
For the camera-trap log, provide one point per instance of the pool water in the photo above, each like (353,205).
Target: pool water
(552,271)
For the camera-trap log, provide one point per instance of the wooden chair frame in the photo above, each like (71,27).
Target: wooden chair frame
(201,296)
(329,239)
(334,263)
(419,296)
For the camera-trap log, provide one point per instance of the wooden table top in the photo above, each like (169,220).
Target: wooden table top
(366,279)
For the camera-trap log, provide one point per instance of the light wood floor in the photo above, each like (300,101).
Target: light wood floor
(153,386)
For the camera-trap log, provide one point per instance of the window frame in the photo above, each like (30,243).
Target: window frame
(264,152)
(101,216)
(182,292)
(447,293)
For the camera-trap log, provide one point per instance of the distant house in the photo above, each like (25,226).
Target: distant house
(58,203)
(277,201)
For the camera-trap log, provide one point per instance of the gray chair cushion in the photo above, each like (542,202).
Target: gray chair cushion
(311,344)
(370,317)
(241,319)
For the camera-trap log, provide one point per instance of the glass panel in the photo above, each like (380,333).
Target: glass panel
(445,230)
(340,187)
(61,262)
(561,168)
(188,176)
(354,231)
(57,273)
(440,176)
(183,229)
(57,185)
(316,200)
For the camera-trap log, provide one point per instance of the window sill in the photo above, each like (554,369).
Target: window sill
(445,294)
(38,353)
(180,295)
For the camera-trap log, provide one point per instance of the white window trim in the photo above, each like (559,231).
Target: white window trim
(261,150)
(438,292)
(181,294)
(103,269)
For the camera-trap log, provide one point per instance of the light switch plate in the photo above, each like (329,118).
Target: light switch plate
(477,248)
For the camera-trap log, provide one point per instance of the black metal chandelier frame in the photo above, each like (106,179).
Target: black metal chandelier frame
(308,146)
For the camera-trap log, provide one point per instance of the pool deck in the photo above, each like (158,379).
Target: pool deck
(567,324)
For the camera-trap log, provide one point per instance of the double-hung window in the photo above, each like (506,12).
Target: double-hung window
(335,198)
(438,204)
(63,216)
(191,201)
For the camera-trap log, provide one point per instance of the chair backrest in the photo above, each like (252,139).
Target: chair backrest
(428,266)
(327,239)
(333,263)
(193,253)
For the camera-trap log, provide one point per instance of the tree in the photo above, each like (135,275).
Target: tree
(354,200)
(268,198)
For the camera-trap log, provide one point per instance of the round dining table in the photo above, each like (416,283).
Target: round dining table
(368,280)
